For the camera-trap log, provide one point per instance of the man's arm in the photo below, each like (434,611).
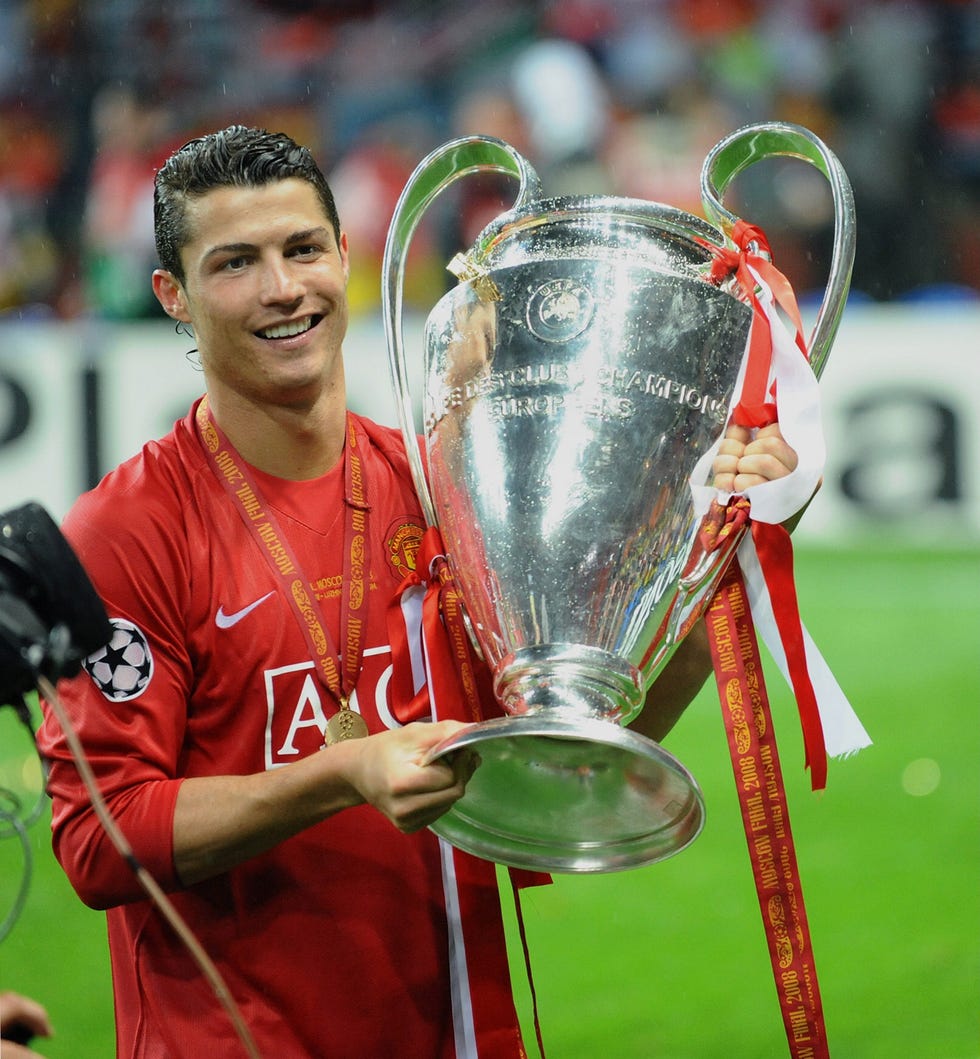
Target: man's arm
(676,686)
(186,829)
(221,821)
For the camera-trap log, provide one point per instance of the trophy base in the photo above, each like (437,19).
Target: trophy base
(570,796)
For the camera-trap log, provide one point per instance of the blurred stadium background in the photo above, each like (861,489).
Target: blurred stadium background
(604,96)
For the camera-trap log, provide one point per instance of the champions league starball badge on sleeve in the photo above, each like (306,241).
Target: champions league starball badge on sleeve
(575,382)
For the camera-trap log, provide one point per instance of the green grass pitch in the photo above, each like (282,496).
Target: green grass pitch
(669,961)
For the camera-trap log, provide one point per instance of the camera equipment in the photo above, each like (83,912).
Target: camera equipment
(50,615)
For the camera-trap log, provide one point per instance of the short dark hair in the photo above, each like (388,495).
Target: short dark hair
(234,157)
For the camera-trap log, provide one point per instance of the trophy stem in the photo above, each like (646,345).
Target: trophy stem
(582,682)
(562,786)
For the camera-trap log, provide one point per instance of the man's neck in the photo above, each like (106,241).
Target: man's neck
(296,443)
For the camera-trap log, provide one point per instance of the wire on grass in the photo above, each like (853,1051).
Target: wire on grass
(12,825)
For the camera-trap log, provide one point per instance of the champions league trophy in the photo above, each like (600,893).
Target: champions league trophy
(573,379)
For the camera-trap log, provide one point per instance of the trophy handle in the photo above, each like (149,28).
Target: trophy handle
(724,162)
(753,143)
(442,167)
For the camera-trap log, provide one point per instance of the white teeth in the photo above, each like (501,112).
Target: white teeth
(295,327)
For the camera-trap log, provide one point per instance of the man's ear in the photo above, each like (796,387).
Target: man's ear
(170,294)
(344,254)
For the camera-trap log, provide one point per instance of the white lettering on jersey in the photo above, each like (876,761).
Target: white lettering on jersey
(385,715)
(298,707)
(309,700)
(284,704)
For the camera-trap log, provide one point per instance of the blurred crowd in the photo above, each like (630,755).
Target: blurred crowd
(620,97)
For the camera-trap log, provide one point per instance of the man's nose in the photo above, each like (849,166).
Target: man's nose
(280,283)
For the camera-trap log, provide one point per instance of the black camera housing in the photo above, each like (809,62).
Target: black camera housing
(50,615)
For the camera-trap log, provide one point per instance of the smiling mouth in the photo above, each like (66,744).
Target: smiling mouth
(288,330)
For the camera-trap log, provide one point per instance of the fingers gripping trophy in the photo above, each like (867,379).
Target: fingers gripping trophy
(575,380)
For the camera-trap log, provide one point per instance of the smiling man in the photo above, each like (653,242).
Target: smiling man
(240,722)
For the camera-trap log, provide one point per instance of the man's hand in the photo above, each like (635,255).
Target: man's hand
(21,1019)
(742,461)
(390,773)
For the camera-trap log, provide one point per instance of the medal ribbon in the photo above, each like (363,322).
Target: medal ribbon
(337,672)
(765,815)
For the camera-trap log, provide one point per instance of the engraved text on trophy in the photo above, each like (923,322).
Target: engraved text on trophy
(612,393)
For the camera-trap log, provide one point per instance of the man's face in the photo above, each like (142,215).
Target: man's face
(265,291)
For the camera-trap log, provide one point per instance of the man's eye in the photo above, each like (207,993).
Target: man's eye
(235,264)
(307,250)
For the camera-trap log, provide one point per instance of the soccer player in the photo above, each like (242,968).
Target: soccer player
(239,722)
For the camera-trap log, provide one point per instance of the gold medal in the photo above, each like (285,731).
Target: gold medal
(346,724)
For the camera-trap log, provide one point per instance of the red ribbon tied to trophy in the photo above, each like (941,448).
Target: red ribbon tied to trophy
(775,372)
(434,668)
(751,262)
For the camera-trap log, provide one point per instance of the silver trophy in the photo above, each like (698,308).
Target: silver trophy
(573,378)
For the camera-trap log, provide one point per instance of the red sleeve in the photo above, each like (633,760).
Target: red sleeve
(131,735)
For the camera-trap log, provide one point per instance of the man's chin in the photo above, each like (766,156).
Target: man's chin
(304,392)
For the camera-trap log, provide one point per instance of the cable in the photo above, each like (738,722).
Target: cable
(152,887)
(24,716)
(13,824)
(11,818)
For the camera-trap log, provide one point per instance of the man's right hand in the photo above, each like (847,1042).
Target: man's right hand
(390,772)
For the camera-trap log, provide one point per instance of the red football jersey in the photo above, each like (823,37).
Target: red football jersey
(337,942)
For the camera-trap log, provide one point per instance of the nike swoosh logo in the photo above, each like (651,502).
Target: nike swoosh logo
(225,621)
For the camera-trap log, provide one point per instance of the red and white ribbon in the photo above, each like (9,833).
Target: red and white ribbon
(777,382)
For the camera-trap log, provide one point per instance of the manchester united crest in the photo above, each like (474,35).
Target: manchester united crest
(403,539)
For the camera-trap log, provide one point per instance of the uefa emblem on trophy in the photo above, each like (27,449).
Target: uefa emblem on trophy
(573,378)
